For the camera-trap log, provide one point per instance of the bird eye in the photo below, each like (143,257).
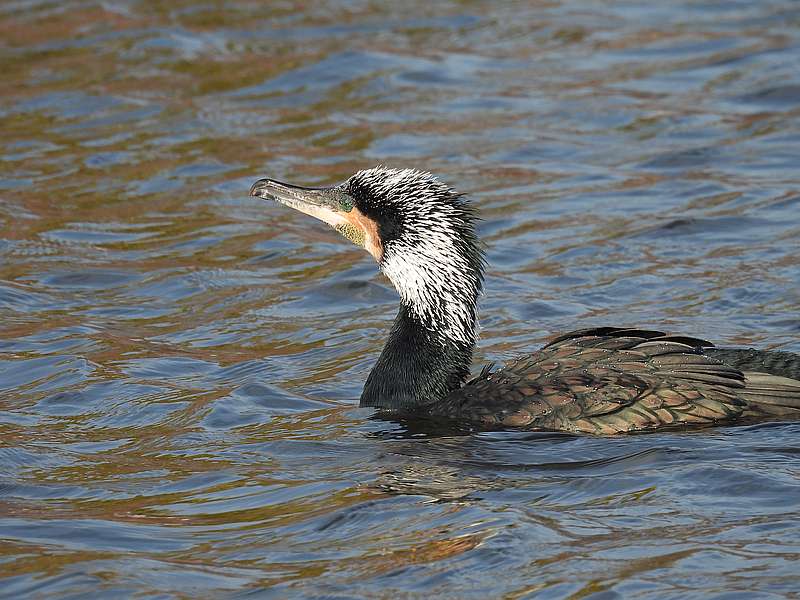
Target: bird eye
(345,203)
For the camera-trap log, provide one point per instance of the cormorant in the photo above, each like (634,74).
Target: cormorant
(604,380)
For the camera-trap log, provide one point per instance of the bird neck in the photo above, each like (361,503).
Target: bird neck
(420,364)
(437,269)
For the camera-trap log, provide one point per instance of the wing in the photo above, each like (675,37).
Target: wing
(603,381)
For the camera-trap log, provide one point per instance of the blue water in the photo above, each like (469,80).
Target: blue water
(180,363)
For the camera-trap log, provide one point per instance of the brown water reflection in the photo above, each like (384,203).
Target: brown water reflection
(180,363)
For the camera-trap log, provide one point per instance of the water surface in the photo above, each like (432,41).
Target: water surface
(180,363)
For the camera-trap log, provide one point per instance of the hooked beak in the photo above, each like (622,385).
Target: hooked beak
(321,203)
(331,205)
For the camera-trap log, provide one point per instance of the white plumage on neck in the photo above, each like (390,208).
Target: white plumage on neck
(429,264)
(430,278)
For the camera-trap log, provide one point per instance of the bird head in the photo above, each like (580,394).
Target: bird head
(419,230)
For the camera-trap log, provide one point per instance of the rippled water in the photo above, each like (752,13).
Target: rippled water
(180,363)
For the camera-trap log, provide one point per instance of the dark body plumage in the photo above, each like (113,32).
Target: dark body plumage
(612,380)
(604,381)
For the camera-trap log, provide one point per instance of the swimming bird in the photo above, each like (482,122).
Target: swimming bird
(604,380)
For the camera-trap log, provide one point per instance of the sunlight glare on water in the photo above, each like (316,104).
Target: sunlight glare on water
(180,363)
